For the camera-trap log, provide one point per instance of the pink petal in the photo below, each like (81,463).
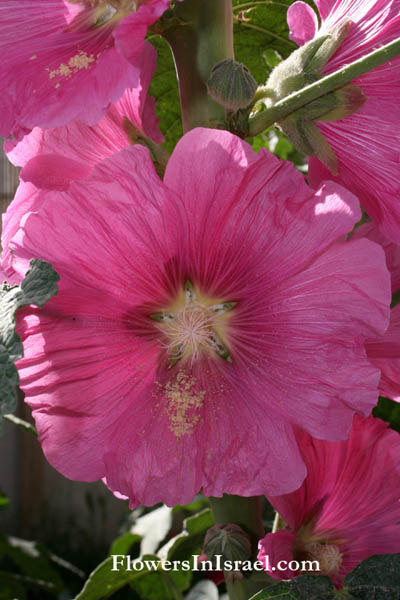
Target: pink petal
(64,68)
(374,23)
(392,250)
(91,144)
(178,453)
(384,353)
(274,548)
(350,496)
(53,172)
(302,21)
(324,7)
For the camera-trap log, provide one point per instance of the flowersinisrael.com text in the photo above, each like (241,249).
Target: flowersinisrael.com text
(124,562)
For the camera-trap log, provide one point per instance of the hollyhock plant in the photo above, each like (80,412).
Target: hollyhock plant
(369,136)
(197,318)
(73,59)
(348,507)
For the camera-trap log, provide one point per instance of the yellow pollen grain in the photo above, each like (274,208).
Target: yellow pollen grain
(33,57)
(80,61)
(184,402)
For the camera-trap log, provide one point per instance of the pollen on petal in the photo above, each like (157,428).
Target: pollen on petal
(80,61)
(184,403)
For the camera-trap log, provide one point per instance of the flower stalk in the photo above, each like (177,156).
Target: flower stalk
(245,512)
(261,121)
(200,36)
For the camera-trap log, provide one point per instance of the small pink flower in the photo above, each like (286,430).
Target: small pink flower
(197,321)
(348,507)
(67,60)
(366,143)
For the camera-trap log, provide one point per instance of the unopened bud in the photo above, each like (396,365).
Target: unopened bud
(232,85)
(230,542)
(300,69)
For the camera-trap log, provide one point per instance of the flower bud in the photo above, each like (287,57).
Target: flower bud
(231,84)
(230,542)
(300,69)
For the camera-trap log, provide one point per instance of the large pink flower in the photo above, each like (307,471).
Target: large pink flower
(197,321)
(367,142)
(348,507)
(68,60)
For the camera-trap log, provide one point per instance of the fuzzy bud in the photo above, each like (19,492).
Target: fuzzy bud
(229,541)
(232,85)
(302,68)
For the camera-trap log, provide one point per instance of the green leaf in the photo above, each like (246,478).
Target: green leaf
(4,501)
(123,543)
(186,544)
(260,26)
(190,540)
(32,560)
(306,587)
(376,578)
(388,411)
(11,587)
(103,582)
(164,87)
(39,285)
(156,585)
(198,524)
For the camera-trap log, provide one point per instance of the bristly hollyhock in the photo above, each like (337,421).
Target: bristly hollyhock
(52,158)
(69,60)
(348,507)
(367,142)
(197,322)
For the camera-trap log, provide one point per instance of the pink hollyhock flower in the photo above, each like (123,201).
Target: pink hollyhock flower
(197,318)
(384,352)
(69,60)
(348,507)
(52,158)
(367,142)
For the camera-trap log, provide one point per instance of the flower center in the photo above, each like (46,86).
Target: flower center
(106,11)
(194,324)
(328,556)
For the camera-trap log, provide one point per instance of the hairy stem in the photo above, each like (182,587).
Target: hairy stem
(201,36)
(245,512)
(259,122)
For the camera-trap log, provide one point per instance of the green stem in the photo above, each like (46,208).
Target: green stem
(201,36)
(245,512)
(260,122)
